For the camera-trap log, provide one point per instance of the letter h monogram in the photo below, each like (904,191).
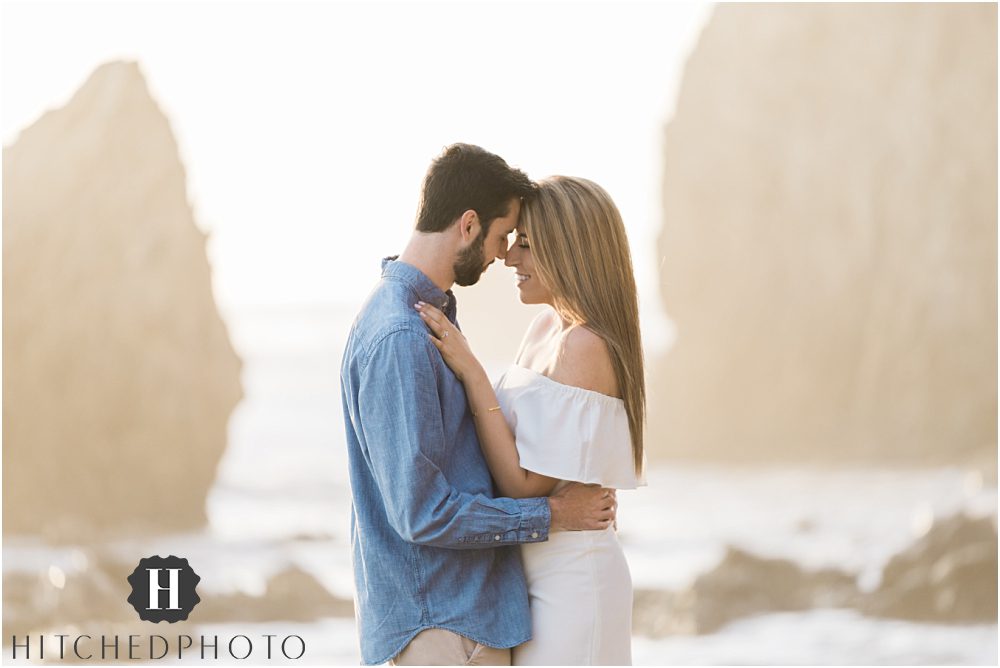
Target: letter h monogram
(155,588)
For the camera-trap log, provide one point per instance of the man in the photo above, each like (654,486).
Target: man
(436,564)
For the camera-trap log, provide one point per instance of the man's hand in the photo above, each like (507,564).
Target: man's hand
(578,507)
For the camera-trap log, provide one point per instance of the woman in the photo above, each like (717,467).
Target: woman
(574,404)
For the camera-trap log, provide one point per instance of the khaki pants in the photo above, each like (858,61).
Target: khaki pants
(439,647)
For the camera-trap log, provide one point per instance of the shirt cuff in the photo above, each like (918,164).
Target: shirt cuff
(533,524)
(536,518)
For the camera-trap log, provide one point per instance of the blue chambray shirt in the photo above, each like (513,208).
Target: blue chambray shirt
(431,546)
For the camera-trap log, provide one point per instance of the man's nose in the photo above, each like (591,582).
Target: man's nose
(502,255)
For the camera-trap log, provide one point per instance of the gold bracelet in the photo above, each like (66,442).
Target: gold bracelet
(495,408)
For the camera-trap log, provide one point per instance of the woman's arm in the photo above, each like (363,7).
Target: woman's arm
(498,444)
(495,435)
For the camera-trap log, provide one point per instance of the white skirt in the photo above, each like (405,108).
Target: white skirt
(580,591)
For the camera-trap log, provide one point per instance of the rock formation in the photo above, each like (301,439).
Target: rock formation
(741,585)
(118,375)
(291,595)
(829,248)
(949,575)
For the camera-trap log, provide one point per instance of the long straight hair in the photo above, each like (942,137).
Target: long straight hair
(582,256)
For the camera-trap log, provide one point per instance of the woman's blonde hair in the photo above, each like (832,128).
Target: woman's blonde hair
(582,256)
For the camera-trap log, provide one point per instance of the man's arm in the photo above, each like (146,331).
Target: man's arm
(401,420)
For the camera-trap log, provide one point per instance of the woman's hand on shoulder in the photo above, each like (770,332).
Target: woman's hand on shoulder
(450,341)
(585,362)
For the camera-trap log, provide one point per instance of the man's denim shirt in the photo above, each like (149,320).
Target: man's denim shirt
(431,546)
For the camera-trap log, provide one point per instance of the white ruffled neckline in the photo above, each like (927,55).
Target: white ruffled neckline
(579,391)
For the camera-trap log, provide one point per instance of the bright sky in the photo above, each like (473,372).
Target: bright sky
(306,128)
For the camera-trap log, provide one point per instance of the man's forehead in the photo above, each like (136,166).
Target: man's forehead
(515,208)
(509,226)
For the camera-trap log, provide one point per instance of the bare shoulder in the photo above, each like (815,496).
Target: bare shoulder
(584,361)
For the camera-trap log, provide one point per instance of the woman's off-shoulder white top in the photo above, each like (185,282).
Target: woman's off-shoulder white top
(568,432)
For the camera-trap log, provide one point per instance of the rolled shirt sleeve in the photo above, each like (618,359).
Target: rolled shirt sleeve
(403,430)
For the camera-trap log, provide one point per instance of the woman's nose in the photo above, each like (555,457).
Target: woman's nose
(512,255)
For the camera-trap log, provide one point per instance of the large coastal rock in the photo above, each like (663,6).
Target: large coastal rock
(118,374)
(829,249)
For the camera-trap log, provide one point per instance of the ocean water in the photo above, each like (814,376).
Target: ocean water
(282,498)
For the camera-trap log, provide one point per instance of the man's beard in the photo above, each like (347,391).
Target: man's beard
(469,265)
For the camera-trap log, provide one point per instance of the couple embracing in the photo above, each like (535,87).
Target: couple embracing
(483,516)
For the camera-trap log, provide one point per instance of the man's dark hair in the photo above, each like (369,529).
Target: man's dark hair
(467,177)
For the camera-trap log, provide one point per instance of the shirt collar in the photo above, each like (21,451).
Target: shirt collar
(424,287)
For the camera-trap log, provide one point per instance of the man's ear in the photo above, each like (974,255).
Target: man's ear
(468,226)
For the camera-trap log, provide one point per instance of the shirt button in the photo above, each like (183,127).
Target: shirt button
(534,534)
(496,537)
